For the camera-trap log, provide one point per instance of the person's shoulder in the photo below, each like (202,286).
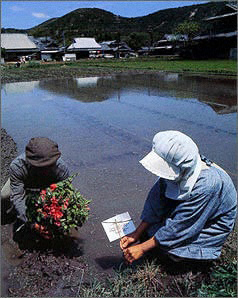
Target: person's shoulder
(62,170)
(19,161)
(208,182)
(18,167)
(61,163)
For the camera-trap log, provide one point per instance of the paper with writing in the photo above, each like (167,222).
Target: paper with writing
(118,226)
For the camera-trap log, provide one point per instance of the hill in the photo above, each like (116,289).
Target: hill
(104,25)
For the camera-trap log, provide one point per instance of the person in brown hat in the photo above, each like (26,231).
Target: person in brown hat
(37,168)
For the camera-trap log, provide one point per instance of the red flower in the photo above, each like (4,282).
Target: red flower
(54,200)
(53,187)
(57,223)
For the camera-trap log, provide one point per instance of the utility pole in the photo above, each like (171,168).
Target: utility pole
(118,35)
(63,40)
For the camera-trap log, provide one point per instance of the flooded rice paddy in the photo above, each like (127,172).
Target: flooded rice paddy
(105,125)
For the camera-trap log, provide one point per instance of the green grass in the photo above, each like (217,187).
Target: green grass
(223,282)
(149,280)
(142,281)
(200,66)
(222,67)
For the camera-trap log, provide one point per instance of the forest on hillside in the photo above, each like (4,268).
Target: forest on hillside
(104,25)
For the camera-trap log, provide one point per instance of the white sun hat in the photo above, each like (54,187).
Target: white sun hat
(174,156)
(160,167)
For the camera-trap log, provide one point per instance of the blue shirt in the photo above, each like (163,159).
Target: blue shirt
(197,227)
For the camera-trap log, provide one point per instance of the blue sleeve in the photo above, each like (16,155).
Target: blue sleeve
(189,217)
(156,207)
(62,170)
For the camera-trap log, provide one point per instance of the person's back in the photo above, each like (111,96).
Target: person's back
(37,168)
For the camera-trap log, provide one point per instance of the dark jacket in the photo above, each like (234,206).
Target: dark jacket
(24,177)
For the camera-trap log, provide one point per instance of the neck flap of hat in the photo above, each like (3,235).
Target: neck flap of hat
(180,150)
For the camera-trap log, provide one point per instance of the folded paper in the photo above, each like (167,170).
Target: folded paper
(118,226)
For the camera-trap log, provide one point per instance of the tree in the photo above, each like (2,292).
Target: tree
(188,28)
(137,39)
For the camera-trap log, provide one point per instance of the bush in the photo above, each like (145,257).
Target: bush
(33,64)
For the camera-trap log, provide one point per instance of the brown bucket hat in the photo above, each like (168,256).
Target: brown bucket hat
(42,152)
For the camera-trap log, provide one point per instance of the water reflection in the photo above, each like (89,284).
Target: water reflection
(19,87)
(91,89)
(219,94)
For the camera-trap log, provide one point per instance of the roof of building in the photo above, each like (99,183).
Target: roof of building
(105,47)
(221,16)
(109,42)
(84,43)
(219,35)
(16,41)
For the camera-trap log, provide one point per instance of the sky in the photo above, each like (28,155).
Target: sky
(27,14)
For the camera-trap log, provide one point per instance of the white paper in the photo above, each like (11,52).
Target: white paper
(118,226)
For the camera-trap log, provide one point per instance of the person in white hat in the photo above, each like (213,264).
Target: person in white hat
(191,209)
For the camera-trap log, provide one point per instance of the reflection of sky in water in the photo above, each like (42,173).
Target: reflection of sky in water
(125,122)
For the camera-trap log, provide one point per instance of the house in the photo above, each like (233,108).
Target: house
(49,48)
(221,42)
(69,57)
(106,50)
(83,47)
(169,45)
(17,45)
(117,48)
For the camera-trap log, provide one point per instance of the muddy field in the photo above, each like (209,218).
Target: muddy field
(35,267)
(43,268)
(64,71)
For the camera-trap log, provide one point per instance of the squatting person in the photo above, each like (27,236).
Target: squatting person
(190,210)
(37,168)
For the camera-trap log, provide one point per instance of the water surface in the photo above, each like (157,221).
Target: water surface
(105,125)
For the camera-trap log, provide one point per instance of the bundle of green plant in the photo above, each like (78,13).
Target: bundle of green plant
(58,208)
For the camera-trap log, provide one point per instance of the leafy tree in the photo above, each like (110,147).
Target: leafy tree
(188,28)
(137,39)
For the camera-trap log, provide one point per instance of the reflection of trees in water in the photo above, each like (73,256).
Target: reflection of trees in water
(220,94)
(83,89)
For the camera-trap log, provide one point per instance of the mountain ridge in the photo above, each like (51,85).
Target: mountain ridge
(104,25)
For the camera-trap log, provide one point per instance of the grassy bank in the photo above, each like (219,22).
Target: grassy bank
(36,70)
(156,64)
(150,279)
